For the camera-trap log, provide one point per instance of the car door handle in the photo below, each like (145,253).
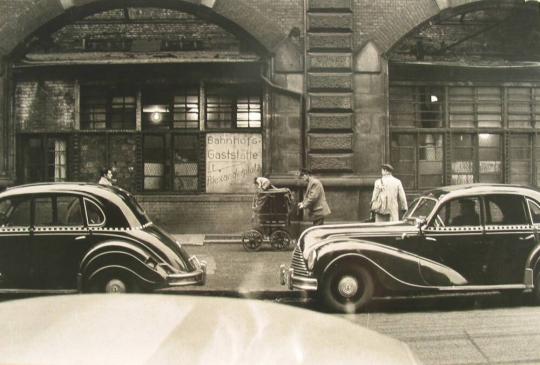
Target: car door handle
(531,236)
(431,239)
(78,238)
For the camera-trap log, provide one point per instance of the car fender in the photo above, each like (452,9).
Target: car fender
(532,265)
(120,256)
(395,269)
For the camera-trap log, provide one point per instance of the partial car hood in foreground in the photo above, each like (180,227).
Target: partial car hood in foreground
(166,329)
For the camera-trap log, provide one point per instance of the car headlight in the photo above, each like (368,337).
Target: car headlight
(311,259)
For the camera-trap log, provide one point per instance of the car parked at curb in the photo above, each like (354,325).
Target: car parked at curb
(462,238)
(72,237)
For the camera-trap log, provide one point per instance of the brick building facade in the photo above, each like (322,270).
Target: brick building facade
(187,100)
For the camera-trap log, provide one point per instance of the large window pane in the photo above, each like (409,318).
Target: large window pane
(462,164)
(489,107)
(186,109)
(519,107)
(419,106)
(403,148)
(93,108)
(154,162)
(489,155)
(233,106)
(106,106)
(520,159)
(123,109)
(402,106)
(430,160)
(461,107)
(44,159)
(57,159)
(156,108)
(248,112)
(186,165)
(219,109)
(537,158)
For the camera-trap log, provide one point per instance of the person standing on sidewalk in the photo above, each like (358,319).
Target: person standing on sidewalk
(106,177)
(388,197)
(314,202)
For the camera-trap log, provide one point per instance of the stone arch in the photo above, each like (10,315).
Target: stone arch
(51,14)
(406,18)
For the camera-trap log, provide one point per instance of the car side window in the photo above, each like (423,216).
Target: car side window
(505,210)
(15,212)
(69,212)
(95,215)
(459,212)
(43,211)
(535,211)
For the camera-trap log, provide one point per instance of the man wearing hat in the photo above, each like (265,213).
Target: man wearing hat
(314,202)
(391,189)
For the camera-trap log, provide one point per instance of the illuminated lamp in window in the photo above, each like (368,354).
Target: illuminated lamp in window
(155,113)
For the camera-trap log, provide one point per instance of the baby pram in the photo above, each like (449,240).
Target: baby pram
(270,220)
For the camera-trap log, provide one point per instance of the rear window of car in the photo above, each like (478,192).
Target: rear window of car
(135,207)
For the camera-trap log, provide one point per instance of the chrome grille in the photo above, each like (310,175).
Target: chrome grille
(298,263)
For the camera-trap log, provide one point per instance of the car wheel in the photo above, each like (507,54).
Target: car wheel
(347,288)
(115,284)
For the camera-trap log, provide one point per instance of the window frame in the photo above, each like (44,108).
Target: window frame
(93,225)
(235,92)
(45,161)
(524,206)
(436,220)
(506,130)
(21,199)
(109,92)
(168,161)
(531,215)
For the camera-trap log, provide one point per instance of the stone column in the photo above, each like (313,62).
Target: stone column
(370,102)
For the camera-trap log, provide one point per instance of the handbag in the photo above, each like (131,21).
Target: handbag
(380,204)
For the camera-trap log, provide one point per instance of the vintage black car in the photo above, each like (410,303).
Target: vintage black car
(452,239)
(63,237)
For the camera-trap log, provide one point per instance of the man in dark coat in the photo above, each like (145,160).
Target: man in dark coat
(314,202)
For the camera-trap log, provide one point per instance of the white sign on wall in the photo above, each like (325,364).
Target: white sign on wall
(232,161)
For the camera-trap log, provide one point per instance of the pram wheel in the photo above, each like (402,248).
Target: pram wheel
(280,239)
(252,240)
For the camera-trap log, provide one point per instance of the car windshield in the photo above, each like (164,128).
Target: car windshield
(420,208)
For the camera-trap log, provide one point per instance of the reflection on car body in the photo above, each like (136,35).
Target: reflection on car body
(70,236)
(167,329)
(458,238)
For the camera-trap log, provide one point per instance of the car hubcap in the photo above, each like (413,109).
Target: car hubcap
(115,286)
(348,286)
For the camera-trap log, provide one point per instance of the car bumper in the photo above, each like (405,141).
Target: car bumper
(288,277)
(196,277)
